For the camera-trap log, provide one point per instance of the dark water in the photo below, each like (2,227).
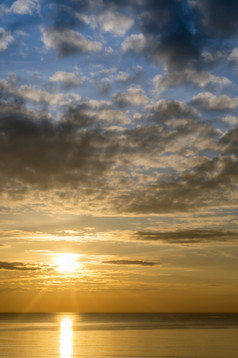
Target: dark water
(119,335)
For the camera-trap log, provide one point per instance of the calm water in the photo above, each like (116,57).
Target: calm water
(119,335)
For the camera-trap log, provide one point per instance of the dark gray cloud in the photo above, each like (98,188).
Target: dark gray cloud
(130,262)
(80,154)
(189,236)
(64,14)
(69,42)
(220,16)
(166,109)
(20,266)
(229,142)
(38,151)
(210,184)
(176,33)
(173,25)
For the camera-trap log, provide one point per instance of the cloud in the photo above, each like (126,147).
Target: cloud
(165,109)
(214,188)
(37,95)
(20,266)
(93,155)
(68,42)
(24,7)
(134,96)
(233,57)
(135,43)
(114,22)
(68,79)
(173,26)
(231,120)
(92,165)
(175,34)
(210,101)
(123,76)
(230,145)
(5,39)
(114,117)
(189,236)
(130,262)
(43,153)
(201,79)
(220,16)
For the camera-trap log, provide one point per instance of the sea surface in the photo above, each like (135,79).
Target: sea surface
(101,335)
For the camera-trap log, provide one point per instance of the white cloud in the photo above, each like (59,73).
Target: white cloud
(201,79)
(68,78)
(5,39)
(24,7)
(123,76)
(231,120)
(210,101)
(115,117)
(233,57)
(134,95)
(36,95)
(135,43)
(114,22)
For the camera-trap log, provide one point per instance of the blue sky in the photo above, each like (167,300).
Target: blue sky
(118,143)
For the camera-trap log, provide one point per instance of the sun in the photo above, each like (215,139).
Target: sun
(66,262)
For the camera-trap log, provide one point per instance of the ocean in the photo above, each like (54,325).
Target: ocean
(119,335)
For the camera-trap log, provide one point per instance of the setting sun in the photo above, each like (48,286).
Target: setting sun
(66,262)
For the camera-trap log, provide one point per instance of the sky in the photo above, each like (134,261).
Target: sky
(119,148)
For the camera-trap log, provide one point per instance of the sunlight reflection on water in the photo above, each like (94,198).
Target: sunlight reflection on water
(66,334)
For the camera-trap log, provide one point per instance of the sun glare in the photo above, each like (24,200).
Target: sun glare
(66,262)
(66,333)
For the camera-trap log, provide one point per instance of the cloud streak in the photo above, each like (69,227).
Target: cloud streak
(20,266)
(197,236)
(130,262)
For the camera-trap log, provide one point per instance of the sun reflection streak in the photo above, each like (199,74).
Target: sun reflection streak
(66,334)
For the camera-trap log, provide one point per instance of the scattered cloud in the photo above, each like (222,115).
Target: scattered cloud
(123,76)
(233,57)
(69,42)
(210,101)
(24,7)
(68,79)
(165,109)
(231,120)
(37,95)
(188,77)
(114,22)
(5,39)
(135,43)
(134,96)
